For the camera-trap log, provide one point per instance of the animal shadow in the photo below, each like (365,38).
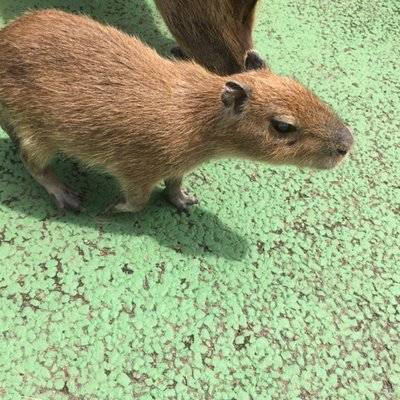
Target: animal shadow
(199,233)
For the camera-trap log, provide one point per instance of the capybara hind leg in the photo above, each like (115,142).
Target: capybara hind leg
(38,167)
(63,196)
(178,195)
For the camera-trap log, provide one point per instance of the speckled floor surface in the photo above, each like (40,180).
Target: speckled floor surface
(281,284)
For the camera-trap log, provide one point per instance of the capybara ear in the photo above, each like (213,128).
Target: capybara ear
(254,61)
(235,96)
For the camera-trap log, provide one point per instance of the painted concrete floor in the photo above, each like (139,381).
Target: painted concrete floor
(281,284)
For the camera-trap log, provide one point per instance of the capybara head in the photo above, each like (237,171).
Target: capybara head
(278,120)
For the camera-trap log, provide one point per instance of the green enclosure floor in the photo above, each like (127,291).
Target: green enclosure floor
(281,284)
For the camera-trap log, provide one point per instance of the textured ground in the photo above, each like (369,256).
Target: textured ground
(281,284)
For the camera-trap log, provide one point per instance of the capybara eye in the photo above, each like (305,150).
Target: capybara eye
(283,127)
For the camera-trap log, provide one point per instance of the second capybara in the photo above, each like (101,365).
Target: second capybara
(215,33)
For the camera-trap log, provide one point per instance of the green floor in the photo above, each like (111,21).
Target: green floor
(281,284)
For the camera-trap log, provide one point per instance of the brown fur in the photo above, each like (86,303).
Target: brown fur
(215,33)
(73,86)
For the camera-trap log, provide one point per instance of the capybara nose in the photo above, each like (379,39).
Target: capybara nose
(345,141)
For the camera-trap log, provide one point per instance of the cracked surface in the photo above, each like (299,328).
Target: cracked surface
(282,284)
